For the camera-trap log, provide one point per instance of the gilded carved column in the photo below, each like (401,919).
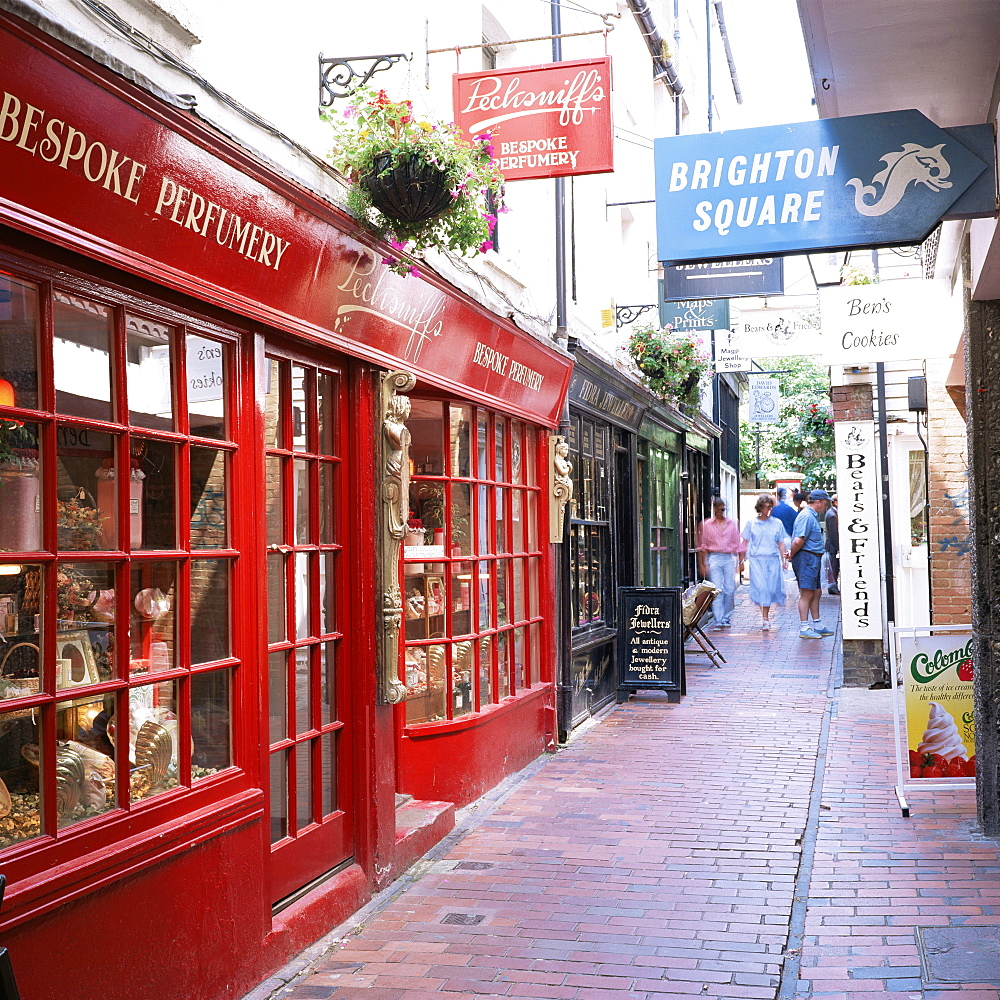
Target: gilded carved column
(395,497)
(561,484)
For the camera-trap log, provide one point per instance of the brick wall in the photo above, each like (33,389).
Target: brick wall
(948,488)
(851,402)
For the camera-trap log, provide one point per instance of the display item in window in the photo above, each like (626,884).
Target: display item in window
(78,519)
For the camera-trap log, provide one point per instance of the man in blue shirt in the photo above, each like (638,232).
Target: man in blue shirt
(807,550)
(784,511)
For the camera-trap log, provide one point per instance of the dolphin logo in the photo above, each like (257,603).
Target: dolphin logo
(912,165)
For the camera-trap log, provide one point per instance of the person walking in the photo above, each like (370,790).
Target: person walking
(831,524)
(807,556)
(784,511)
(720,558)
(767,553)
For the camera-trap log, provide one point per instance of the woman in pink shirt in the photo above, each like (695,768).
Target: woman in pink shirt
(720,558)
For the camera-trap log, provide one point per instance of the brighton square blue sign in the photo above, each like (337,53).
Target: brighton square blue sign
(870,180)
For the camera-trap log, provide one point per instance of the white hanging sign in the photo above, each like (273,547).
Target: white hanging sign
(765,400)
(773,332)
(729,355)
(907,319)
(860,559)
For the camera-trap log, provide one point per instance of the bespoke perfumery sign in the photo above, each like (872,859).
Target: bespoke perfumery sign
(92,163)
(551,120)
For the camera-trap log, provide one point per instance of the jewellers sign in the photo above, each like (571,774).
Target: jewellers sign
(904,320)
(869,180)
(552,120)
(860,563)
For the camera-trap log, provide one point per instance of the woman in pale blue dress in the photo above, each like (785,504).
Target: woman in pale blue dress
(767,551)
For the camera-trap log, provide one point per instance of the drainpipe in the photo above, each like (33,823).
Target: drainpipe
(677,48)
(663,65)
(729,52)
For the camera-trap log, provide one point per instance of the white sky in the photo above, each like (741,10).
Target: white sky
(771,64)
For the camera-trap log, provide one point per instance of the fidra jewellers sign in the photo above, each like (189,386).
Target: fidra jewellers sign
(869,180)
(860,561)
(548,121)
(94,164)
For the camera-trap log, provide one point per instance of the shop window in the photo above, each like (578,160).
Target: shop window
(470,562)
(116,658)
(590,529)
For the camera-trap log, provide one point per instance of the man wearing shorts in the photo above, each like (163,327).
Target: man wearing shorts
(807,550)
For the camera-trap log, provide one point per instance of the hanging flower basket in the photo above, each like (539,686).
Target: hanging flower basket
(407,188)
(417,184)
(671,364)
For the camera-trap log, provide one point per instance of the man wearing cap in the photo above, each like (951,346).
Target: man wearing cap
(807,557)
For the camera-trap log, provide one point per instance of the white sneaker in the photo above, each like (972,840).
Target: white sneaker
(765,626)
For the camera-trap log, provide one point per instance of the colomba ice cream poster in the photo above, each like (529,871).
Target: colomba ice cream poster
(937,672)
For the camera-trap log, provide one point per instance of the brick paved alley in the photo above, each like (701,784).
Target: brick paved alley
(746,842)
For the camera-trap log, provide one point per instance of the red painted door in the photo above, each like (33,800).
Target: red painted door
(307,655)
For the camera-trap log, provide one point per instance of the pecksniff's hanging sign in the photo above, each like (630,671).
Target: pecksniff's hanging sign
(860,562)
(552,120)
(870,180)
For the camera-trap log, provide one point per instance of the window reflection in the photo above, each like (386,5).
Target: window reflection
(207,376)
(211,723)
(81,356)
(20,486)
(18,342)
(148,373)
(209,528)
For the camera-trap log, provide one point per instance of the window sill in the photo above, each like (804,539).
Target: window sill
(474,719)
(50,887)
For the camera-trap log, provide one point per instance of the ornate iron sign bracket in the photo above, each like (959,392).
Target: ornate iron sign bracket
(394,509)
(629,314)
(337,74)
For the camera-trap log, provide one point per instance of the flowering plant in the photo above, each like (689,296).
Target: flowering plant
(18,445)
(79,525)
(374,134)
(671,363)
(858,274)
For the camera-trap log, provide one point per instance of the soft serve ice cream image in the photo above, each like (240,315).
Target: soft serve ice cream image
(941,752)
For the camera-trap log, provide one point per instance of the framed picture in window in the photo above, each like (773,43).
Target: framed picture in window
(75,660)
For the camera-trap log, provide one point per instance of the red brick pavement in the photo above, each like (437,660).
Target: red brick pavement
(685,850)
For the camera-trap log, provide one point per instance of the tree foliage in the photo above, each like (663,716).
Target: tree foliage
(802,439)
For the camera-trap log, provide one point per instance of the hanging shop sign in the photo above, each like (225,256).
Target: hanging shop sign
(650,640)
(783,331)
(552,120)
(729,353)
(903,320)
(884,179)
(90,163)
(724,279)
(860,558)
(764,399)
(694,314)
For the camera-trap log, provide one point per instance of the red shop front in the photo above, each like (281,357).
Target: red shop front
(270,547)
